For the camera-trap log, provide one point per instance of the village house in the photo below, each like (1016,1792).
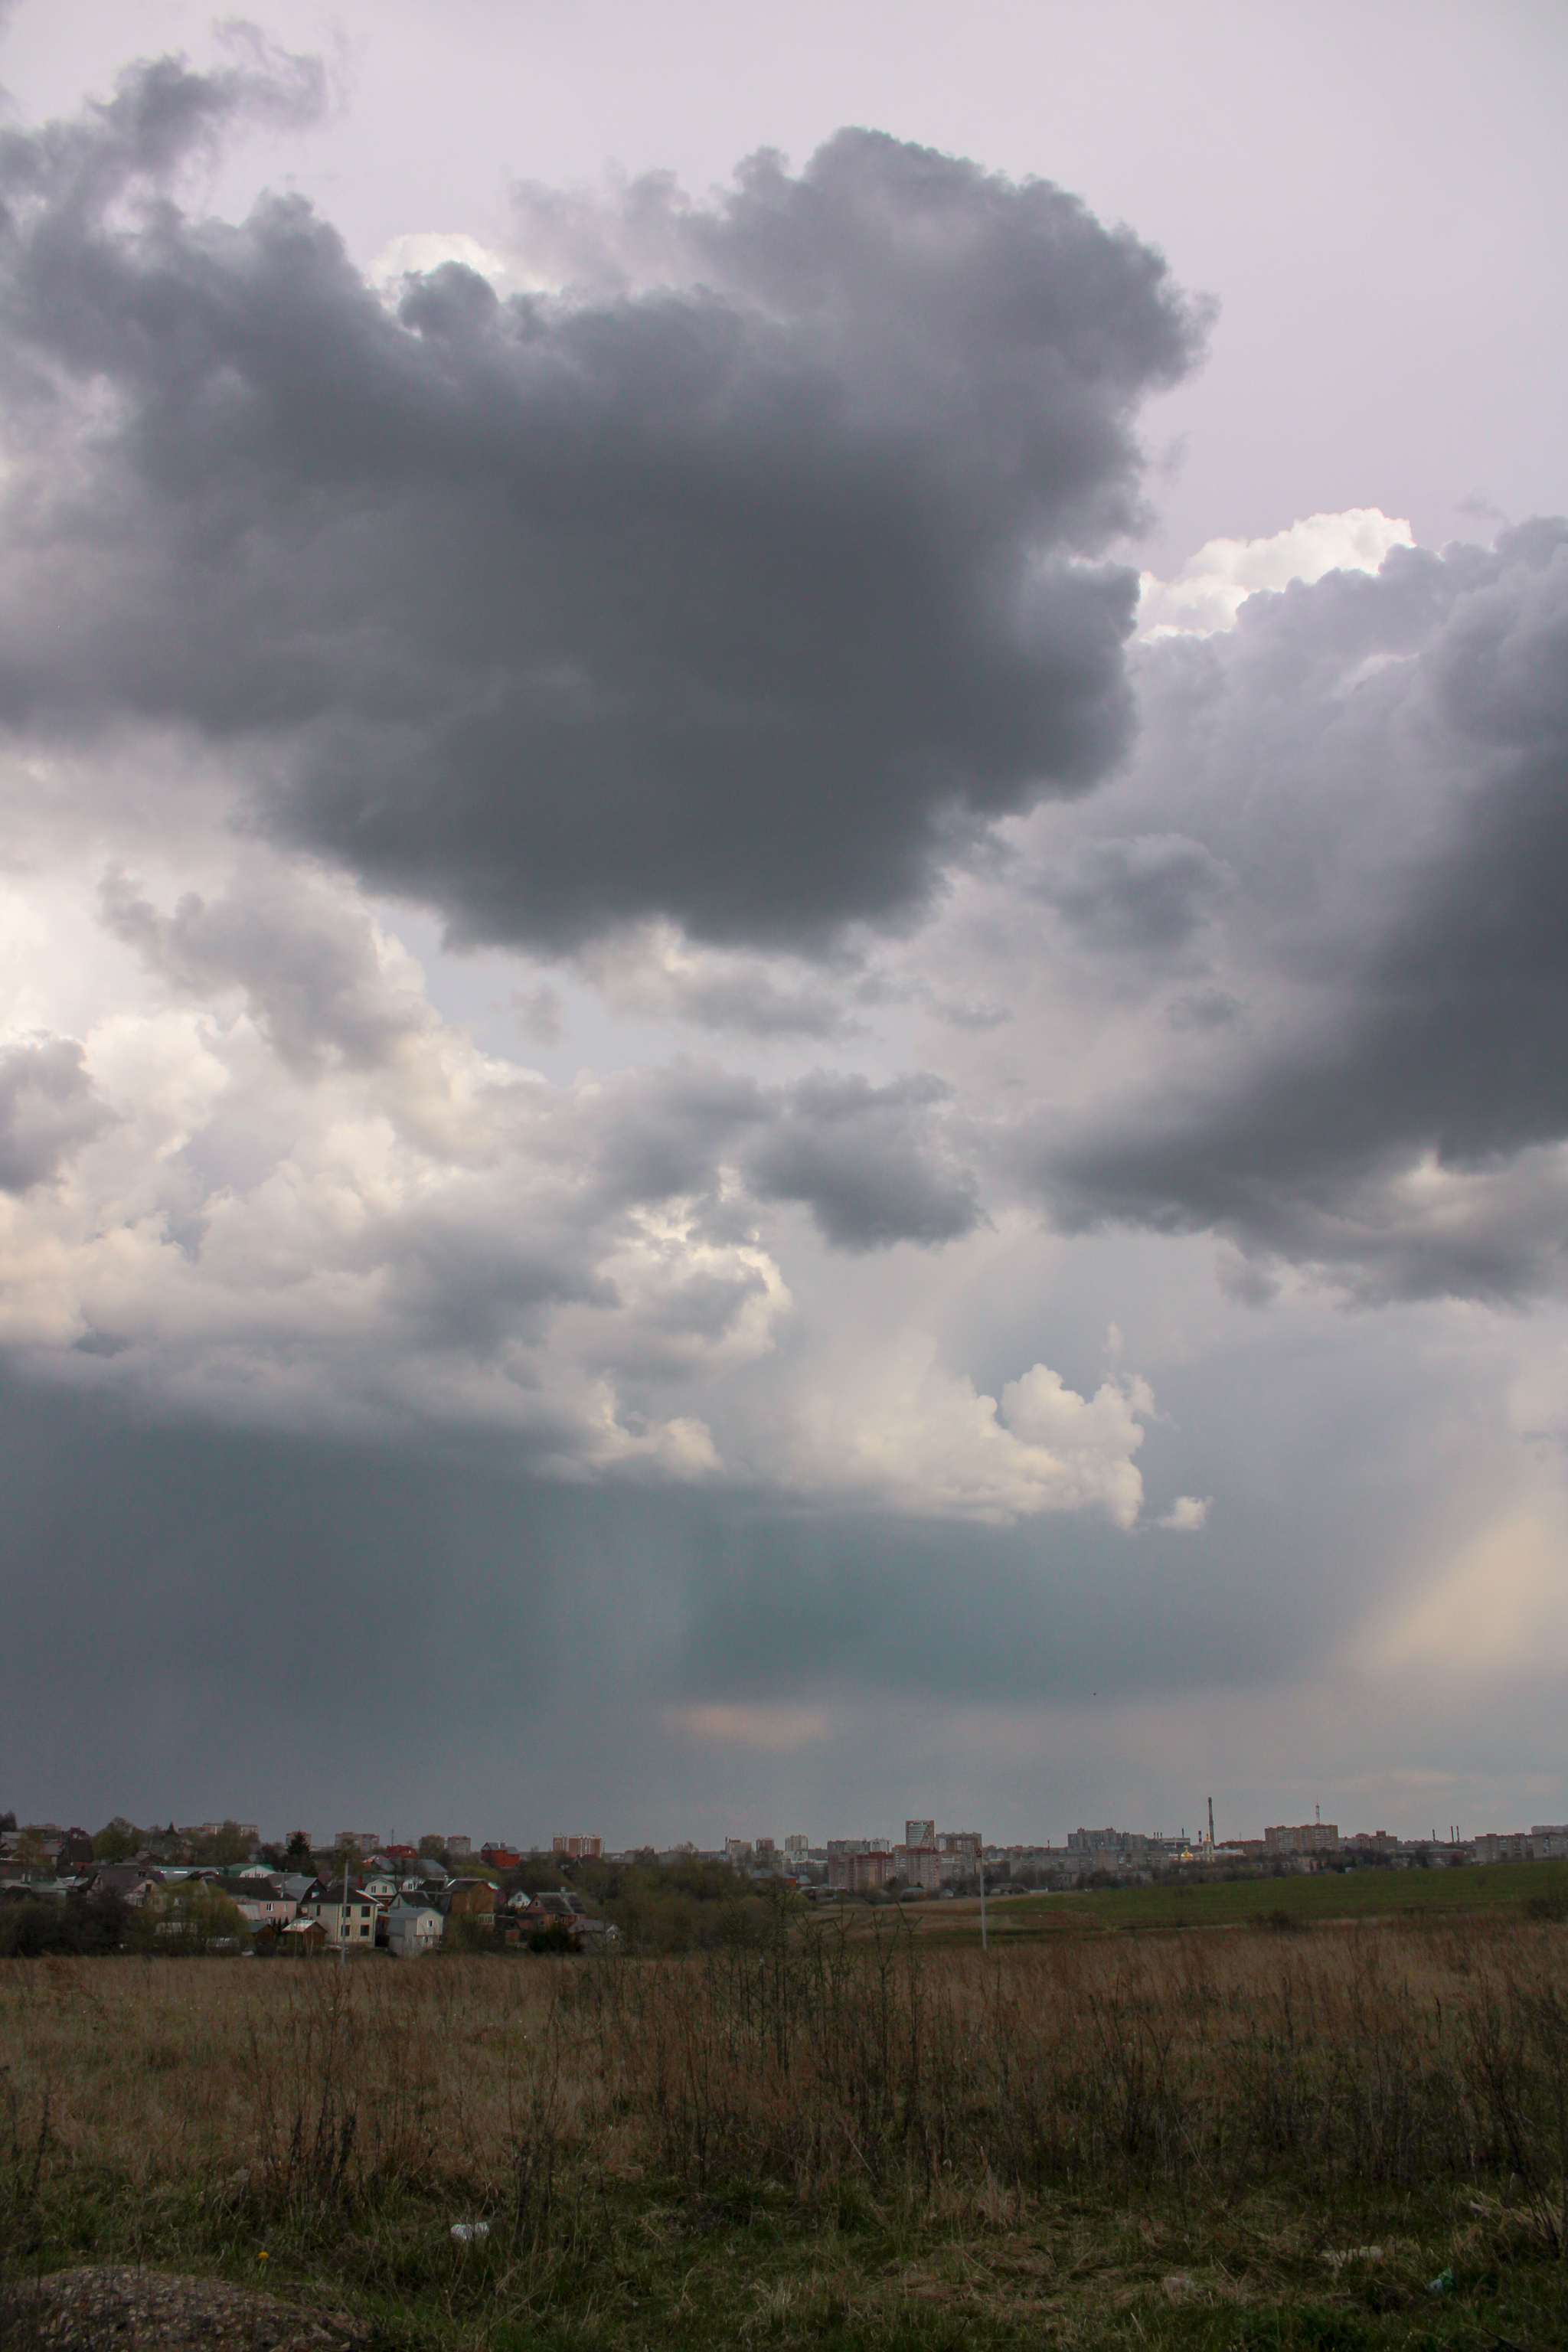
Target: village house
(345,1914)
(469,1898)
(413,1928)
(261,1902)
(536,1913)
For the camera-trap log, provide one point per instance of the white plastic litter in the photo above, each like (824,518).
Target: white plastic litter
(468,2233)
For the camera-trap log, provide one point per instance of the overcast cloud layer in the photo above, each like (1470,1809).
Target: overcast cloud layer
(633,954)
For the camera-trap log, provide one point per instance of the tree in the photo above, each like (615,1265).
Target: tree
(298,1850)
(32,1854)
(198,1918)
(91,1923)
(117,1841)
(230,1845)
(434,1848)
(556,1938)
(470,1931)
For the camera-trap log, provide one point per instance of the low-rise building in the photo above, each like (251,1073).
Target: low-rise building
(412,1928)
(261,1902)
(131,1881)
(469,1898)
(345,1914)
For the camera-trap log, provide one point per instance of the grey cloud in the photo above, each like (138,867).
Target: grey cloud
(1406,865)
(659,1135)
(637,975)
(59,180)
(308,966)
(737,597)
(1144,895)
(874,1164)
(48,1108)
(471,1288)
(868,1161)
(755,1005)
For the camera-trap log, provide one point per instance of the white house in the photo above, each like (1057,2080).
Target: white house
(347,1916)
(412,1928)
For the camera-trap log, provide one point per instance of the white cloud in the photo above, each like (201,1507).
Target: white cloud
(306,1199)
(1187,1514)
(418,250)
(898,1427)
(1212,585)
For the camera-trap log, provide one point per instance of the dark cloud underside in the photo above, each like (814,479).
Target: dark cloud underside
(730,597)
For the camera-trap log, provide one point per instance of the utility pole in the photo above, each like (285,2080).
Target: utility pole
(1211,1829)
(979,1861)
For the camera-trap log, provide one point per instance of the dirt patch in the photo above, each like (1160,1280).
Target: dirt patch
(116,2309)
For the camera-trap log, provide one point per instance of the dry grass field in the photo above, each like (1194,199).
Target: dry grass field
(1345,2136)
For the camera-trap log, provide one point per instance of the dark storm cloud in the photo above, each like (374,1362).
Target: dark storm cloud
(868,1162)
(1389,760)
(47,1108)
(166,1558)
(732,597)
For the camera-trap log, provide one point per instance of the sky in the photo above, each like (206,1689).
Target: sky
(785,822)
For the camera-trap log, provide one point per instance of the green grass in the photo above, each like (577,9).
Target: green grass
(634,2266)
(1498,1886)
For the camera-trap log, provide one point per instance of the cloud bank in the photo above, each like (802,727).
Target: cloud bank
(646,998)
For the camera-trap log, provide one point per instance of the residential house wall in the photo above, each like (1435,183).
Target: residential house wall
(350,1923)
(413,1929)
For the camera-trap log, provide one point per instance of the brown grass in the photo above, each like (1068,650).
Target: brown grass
(964,2094)
(1384,2054)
